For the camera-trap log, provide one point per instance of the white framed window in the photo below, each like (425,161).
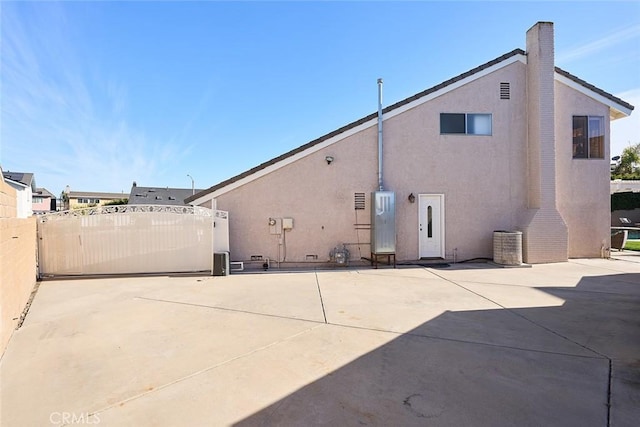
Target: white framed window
(588,137)
(465,124)
(85,201)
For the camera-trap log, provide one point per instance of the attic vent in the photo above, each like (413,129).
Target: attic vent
(171,198)
(158,197)
(359,201)
(505,91)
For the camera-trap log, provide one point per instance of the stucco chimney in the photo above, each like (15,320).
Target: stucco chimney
(545,232)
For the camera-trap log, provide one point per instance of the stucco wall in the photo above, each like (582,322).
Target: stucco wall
(22,199)
(583,187)
(73,202)
(17,263)
(44,206)
(319,197)
(522,177)
(483,179)
(7,200)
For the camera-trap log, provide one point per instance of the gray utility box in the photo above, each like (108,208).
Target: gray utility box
(221,264)
(383,222)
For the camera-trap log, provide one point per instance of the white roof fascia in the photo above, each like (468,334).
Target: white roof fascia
(18,183)
(284,162)
(359,128)
(618,112)
(456,85)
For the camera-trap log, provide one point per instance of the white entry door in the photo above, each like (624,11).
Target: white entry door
(431,225)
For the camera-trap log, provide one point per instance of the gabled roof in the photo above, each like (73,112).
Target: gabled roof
(618,108)
(159,195)
(96,195)
(43,192)
(25,178)
(15,184)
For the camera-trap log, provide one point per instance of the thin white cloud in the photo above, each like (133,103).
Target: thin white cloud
(61,122)
(593,47)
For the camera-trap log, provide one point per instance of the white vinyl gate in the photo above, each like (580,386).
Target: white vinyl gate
(130,239)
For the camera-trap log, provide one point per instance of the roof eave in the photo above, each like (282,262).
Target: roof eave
(618,108)
(369,120)
(11,181)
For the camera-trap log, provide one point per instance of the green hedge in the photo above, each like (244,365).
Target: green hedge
(625,201)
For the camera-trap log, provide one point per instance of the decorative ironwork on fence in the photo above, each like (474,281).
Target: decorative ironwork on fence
(115,209)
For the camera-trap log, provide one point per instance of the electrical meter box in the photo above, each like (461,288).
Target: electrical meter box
(287,223)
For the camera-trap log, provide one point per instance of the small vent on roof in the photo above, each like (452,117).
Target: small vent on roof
(359,201)
(158,197)
(171,198)
(505,90)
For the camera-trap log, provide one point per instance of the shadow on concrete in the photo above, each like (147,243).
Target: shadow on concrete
(573,364)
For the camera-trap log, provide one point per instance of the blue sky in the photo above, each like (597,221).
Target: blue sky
(99,94)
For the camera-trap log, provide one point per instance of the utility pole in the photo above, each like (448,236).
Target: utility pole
(193,188)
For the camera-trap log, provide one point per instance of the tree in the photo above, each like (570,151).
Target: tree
(628,166)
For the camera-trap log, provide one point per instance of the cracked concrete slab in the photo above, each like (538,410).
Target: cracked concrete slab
(412,346)
(377,378)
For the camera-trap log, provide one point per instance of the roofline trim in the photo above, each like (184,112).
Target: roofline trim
(88,194)
(517,55)
(620,108)
(195,200)
(455,85)
(13,181)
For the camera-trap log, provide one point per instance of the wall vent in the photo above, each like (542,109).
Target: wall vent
(359,201)
(505,90)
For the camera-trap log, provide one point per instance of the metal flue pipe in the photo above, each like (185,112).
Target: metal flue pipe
(380,134)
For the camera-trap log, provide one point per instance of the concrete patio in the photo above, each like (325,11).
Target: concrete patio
(471,344)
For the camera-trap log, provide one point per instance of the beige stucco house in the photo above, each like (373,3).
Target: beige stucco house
(87,199)
(514,144)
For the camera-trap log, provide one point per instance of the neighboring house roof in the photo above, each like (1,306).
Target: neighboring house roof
(43,192)
(159,195)
(25,178)
(96,195)
(15,183)
(618,108)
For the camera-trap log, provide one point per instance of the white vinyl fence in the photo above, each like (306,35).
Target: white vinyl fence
(129,239)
